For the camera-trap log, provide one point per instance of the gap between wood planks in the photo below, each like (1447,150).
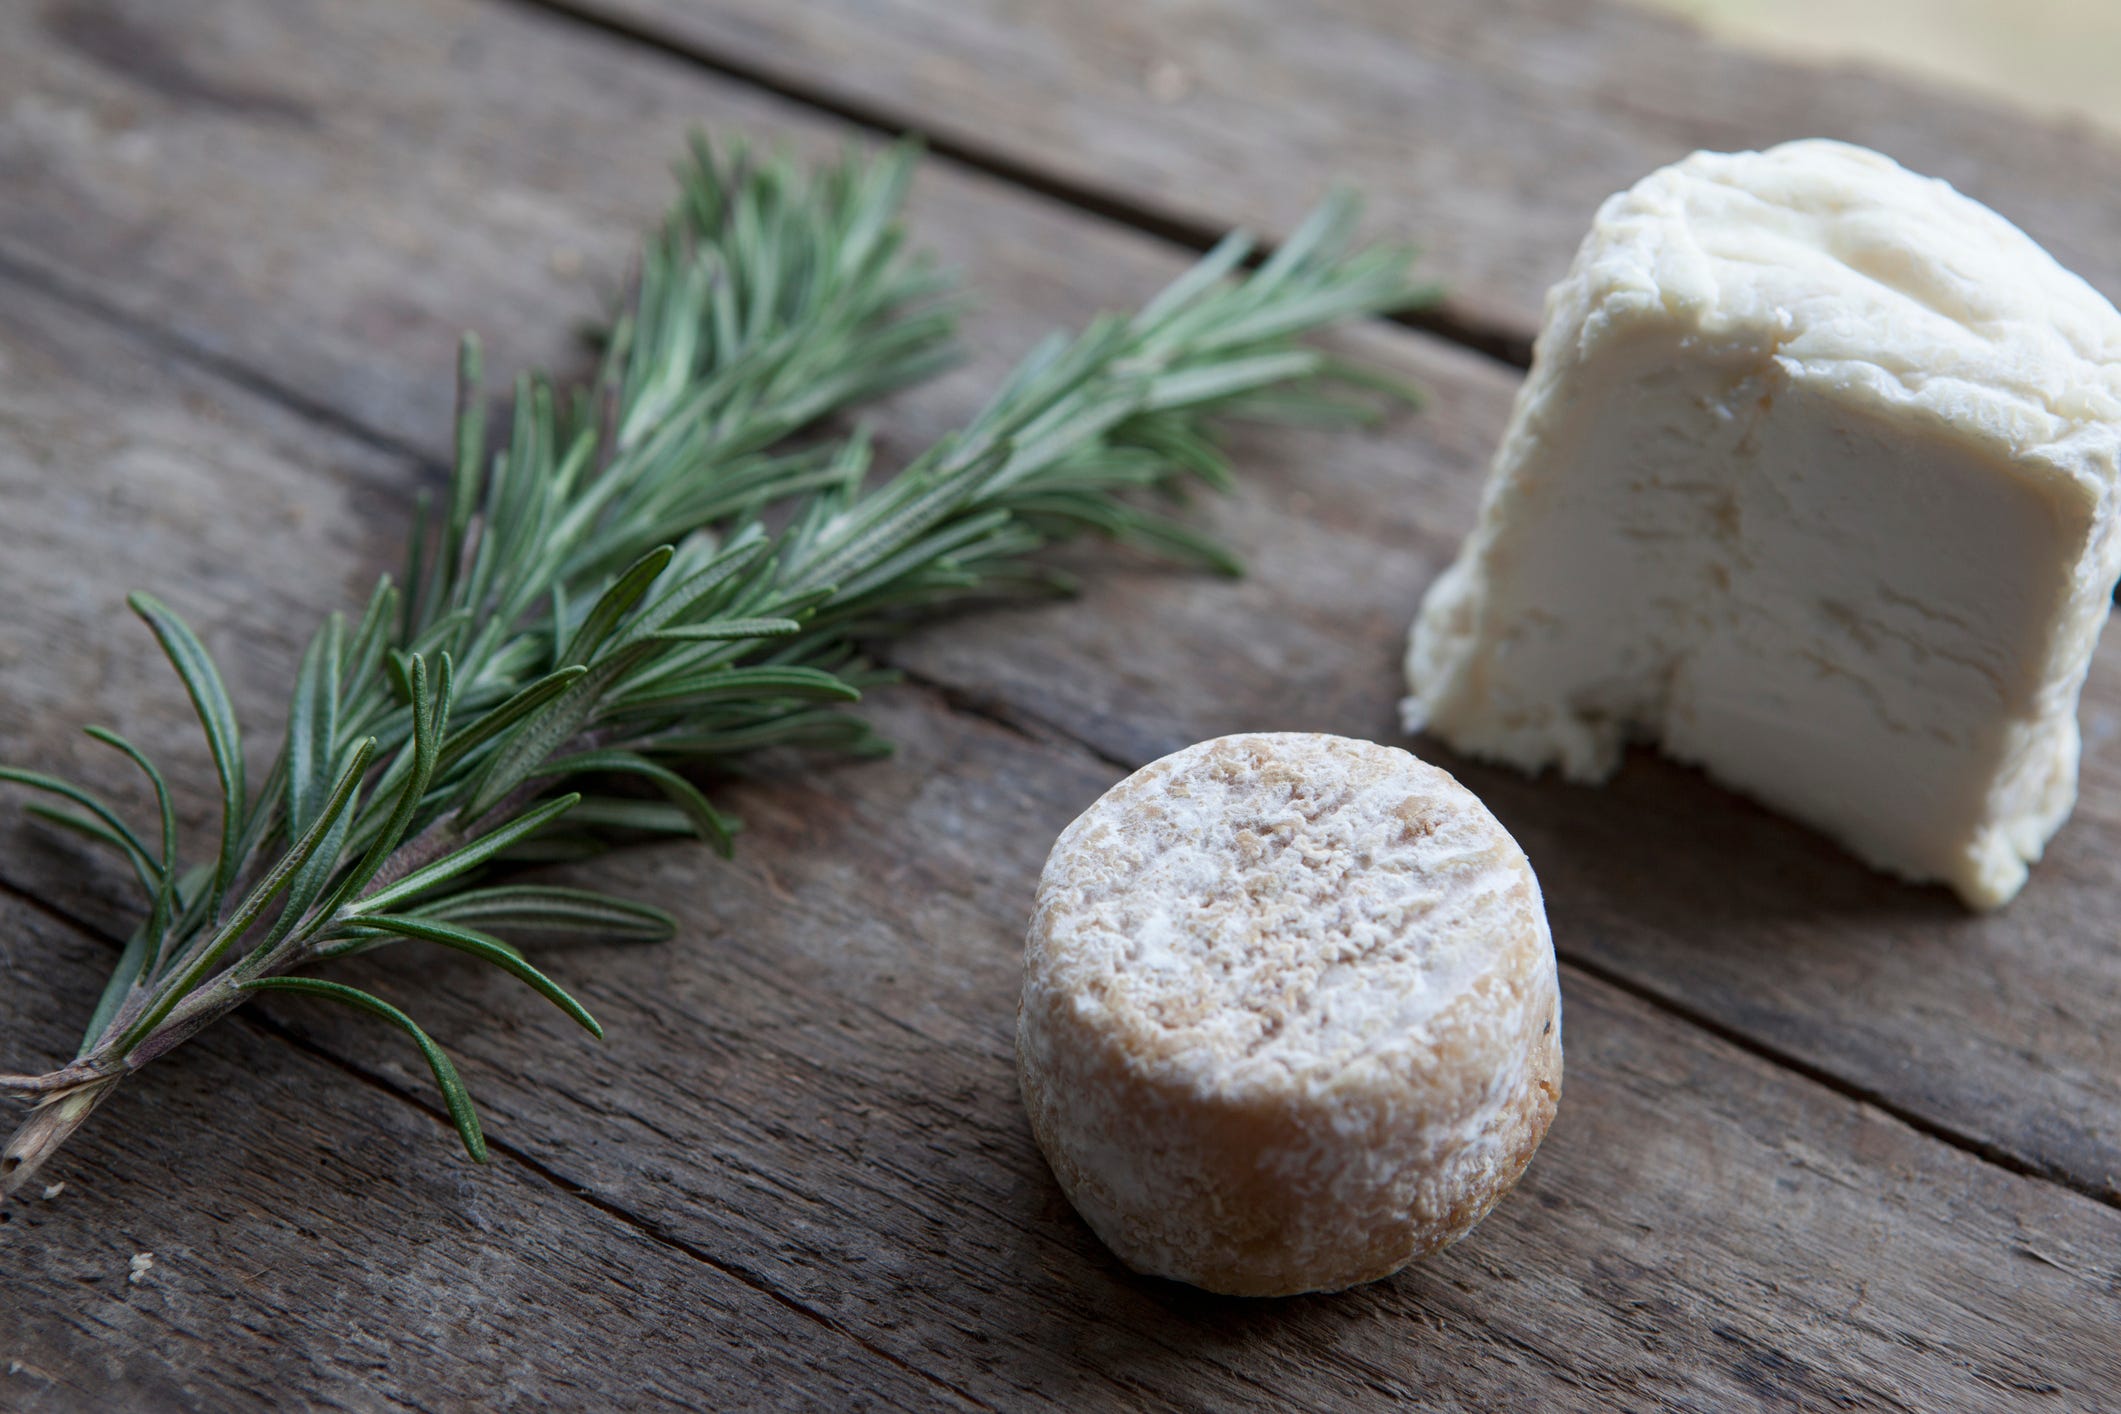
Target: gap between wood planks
(1445,319)
(646,1227)
(55,284)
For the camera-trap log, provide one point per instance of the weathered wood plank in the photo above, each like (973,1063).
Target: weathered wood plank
(331,193)
(264,239)
(814,1089)
(1487,129)
(316,1244)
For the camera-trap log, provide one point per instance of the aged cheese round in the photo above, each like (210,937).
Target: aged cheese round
(1290,1017)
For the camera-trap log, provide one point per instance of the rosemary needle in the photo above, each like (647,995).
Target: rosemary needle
(647,578)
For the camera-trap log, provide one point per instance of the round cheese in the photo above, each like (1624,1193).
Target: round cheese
(1290,1017)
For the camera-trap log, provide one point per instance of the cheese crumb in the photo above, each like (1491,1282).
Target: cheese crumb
(141,1264)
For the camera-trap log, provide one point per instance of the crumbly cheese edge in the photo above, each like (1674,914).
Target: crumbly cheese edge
(1629,276)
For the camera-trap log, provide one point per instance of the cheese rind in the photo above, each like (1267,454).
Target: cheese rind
(1290,1015)
(1813,483)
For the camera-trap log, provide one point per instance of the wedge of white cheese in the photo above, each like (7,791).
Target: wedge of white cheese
(1813,482)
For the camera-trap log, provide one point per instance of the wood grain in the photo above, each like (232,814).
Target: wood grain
(1697,1217)
(812,1089)
(2001,1013)
(315,1243)
(257,240)
(1489,130)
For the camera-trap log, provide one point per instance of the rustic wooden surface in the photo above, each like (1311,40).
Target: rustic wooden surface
(1825,1140)
(1490,128)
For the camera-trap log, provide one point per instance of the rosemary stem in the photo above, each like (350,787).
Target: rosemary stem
(651,576)
(65,1077)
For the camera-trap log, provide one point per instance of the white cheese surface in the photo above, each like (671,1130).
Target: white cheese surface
(1813,482)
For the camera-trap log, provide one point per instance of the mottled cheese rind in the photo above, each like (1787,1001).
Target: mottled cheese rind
(1290,1016)
(1813,483)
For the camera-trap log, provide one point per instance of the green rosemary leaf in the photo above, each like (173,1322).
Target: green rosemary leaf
(1349,373)
(1326,305)
(687,656)
(738,684)
(414,769)
(454,1095)
(469,857)
(122,977)
(541,733)
(414,601)
(154,778)
(210,700)
(937,547)
(730,628)
(1162,535)
(311,879)
(437,637)
(1294,407)
(1175,440)
(509,714)
(823,728)
(164,885)
(567,845)
(365,649)
(917,501)
(711,825)
(548,908)
(652,817)
(121,841)
(312,725)
(563,622)
(209,952)
(1204,275)
(612,606)
(493,950)
(1188,387)
(470,460)
(708,587)
(111,830)
(1324,229)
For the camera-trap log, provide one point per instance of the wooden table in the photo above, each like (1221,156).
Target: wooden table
(1826,1140)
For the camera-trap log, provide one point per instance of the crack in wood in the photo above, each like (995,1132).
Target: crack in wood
(1026,726)
(54,285)
(105,34)
(647,1227)
(1958,1139)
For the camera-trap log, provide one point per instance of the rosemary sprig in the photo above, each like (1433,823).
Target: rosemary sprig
(646,581)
